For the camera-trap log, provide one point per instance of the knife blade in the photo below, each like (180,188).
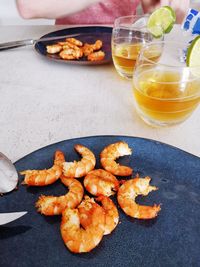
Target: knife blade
(11,216)
(26,42)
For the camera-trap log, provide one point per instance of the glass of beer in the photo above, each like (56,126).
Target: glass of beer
(166,91)
(129,34)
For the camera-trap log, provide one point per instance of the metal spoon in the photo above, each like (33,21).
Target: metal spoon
(8,175)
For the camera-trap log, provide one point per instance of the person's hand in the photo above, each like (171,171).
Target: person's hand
(181,7)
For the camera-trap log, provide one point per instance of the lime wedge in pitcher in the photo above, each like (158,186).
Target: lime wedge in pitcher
(161,21)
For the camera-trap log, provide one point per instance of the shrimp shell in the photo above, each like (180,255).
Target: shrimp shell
(46,176)
(52,205)
(127,193)
(110,153)
(91,217)
(80,168)
(100,182)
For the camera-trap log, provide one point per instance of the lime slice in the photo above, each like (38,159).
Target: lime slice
(161,21)
(193,53)
(193,56)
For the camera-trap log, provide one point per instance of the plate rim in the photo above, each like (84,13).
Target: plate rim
(110,136)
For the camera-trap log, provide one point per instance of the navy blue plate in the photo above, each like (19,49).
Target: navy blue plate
(88,35)
(172,239)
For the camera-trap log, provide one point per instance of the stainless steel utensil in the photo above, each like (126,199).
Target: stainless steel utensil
(11,216)
(8,175)
(27,42)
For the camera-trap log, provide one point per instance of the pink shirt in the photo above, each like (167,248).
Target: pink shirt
(103,12)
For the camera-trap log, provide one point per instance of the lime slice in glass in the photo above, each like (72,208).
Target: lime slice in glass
(193,53)
(193,56)
(161,21)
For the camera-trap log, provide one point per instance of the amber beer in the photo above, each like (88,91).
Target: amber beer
(124,57)
(164,97)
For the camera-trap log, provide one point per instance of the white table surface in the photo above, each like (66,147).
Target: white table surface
(43,102)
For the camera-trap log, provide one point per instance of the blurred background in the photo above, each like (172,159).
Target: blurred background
(10,16)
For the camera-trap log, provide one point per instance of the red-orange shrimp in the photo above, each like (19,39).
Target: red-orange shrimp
(53,49)
(127,193)
(53,205)
(110,153)
(111,212)
(46,176)
(74,41)
(80,168)
(71,53)
(100,182)
(96,56)
(91,217)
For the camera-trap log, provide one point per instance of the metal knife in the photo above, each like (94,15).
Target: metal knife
(11,216)
(26,42)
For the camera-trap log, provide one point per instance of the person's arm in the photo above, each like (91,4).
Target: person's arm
(181,7)
(51,9)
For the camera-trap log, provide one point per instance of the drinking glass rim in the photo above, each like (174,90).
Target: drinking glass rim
(116,22)
(163,64)
(168,99)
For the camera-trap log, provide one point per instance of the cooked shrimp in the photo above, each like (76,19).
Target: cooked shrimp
(96,56)
(52,205)
(78,52)
(97,45)
(80,168)
(127,193)
(46,176)
(90,48)
(100,182)
(62,43)
(59,158)
(87,49)
(71,45)
(112,215)
(74,41)
(66,46)
(53,49)
(111,153)
(91,217)
(67,54)
(71,53)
